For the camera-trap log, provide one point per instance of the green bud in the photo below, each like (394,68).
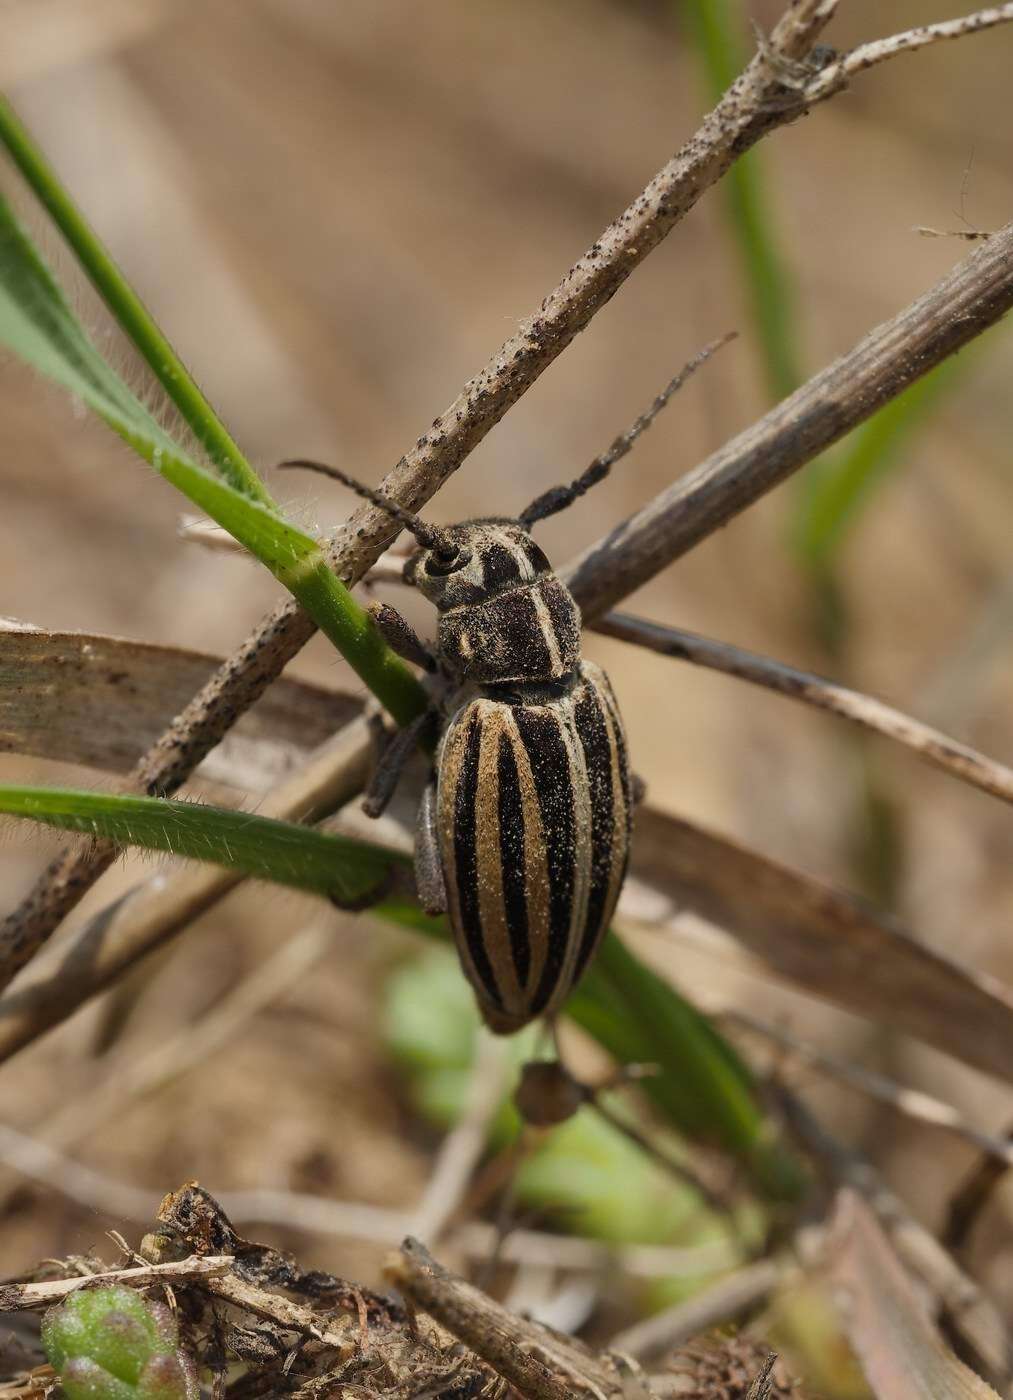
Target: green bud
(115,1344)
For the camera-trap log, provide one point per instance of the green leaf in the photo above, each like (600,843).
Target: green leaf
(37,323)
(282,852)
(133,316)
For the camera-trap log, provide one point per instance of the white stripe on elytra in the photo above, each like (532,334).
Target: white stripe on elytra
(548,632)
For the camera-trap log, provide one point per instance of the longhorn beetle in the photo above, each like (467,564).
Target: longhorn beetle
(524,829)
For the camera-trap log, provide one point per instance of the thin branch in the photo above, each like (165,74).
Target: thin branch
(284,1311)
(937,748)
(15,1297)
(972,297)
(837,73)
(911,1103)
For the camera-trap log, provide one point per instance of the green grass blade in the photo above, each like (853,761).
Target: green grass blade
(281,852)
(37,323)
(716,28)
(131,313)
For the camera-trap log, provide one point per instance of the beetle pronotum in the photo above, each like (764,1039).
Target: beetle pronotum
(524,829)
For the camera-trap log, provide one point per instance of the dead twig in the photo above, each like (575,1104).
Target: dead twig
(839,71)
(541,1365)
(14,1297)
(970,299)
(937,748)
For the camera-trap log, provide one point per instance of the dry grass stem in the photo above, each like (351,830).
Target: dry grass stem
(758,102)
(15,1297)
(974,296)
(743,1291)
(936,748)
(911,1103)
(849,65)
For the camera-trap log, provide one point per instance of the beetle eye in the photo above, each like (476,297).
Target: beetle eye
(440,565)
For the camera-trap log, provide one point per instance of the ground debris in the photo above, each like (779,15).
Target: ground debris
(260,1326)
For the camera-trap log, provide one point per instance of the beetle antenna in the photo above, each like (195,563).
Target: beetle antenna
(557,498)
(429,536)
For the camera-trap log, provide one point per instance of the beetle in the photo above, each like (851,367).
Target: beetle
(523,834)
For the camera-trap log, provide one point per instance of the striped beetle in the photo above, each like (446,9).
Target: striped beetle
(523,834)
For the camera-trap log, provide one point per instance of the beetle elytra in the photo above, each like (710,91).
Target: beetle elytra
(524,830)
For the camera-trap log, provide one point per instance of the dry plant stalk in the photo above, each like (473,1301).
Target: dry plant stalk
(958,759)
(783,80)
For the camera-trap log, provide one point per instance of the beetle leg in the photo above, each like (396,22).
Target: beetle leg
(391,761)
(401,637)
(638,789)
(429,879)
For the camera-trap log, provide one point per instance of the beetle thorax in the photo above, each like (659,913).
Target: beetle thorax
(504,616)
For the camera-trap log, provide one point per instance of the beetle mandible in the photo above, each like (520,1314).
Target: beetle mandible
(524,829)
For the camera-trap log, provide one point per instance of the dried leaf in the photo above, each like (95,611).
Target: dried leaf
(102,701)
(828,942)
(901,1353)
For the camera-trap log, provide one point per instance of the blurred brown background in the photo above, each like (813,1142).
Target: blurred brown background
(337,211)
